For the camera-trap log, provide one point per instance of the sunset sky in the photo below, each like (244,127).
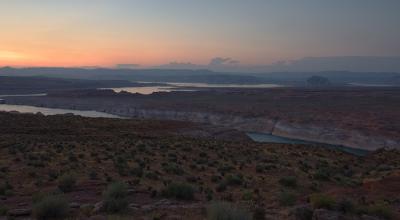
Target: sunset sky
(156,32)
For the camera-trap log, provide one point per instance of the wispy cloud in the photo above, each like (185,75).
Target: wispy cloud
(217,61)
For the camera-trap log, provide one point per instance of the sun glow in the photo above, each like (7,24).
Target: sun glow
(11,55)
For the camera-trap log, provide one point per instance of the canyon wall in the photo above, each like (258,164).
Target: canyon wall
(307,132)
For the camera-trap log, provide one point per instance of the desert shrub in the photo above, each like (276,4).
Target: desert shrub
(137,171)
(3,210)
(115,198)
(5,188)
(179,191)
(152,175)
(247,196)
(234,180)
(215,178)
(303,213)
(209,194)
(221,187)
(288,181)
(379,210)
(67,182)
(287,199)
(346,206)
(322,174)
(226,211)
(87,209)
(173,169)
(93,175)
(259,214)
(259,168)
(53,175)
(39,196)
(322,201)
(51,207)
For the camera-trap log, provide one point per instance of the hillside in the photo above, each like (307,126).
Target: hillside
(170,173)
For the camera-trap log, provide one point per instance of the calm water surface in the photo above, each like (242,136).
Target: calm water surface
(268,138)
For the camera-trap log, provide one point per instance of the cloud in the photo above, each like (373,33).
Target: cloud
(180,65)
(127,66)
(218,61)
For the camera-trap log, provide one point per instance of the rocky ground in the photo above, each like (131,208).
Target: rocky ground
(82,168)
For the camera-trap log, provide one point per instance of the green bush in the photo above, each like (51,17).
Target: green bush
(51,207)
(322,201)
(67,182)
(287,199)
(179,191)
(288,181)
(115,198)
(381,210)
(226,211)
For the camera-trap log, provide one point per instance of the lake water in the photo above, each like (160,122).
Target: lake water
(51,111)
(268,138)
(147,90)
(23,95)
(208,85)
(370,85)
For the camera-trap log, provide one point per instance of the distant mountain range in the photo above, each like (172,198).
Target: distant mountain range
(307,64)
(205,76)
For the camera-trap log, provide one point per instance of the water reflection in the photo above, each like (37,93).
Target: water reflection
(51,111)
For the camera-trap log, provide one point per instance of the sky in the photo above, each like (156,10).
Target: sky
(158,32)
